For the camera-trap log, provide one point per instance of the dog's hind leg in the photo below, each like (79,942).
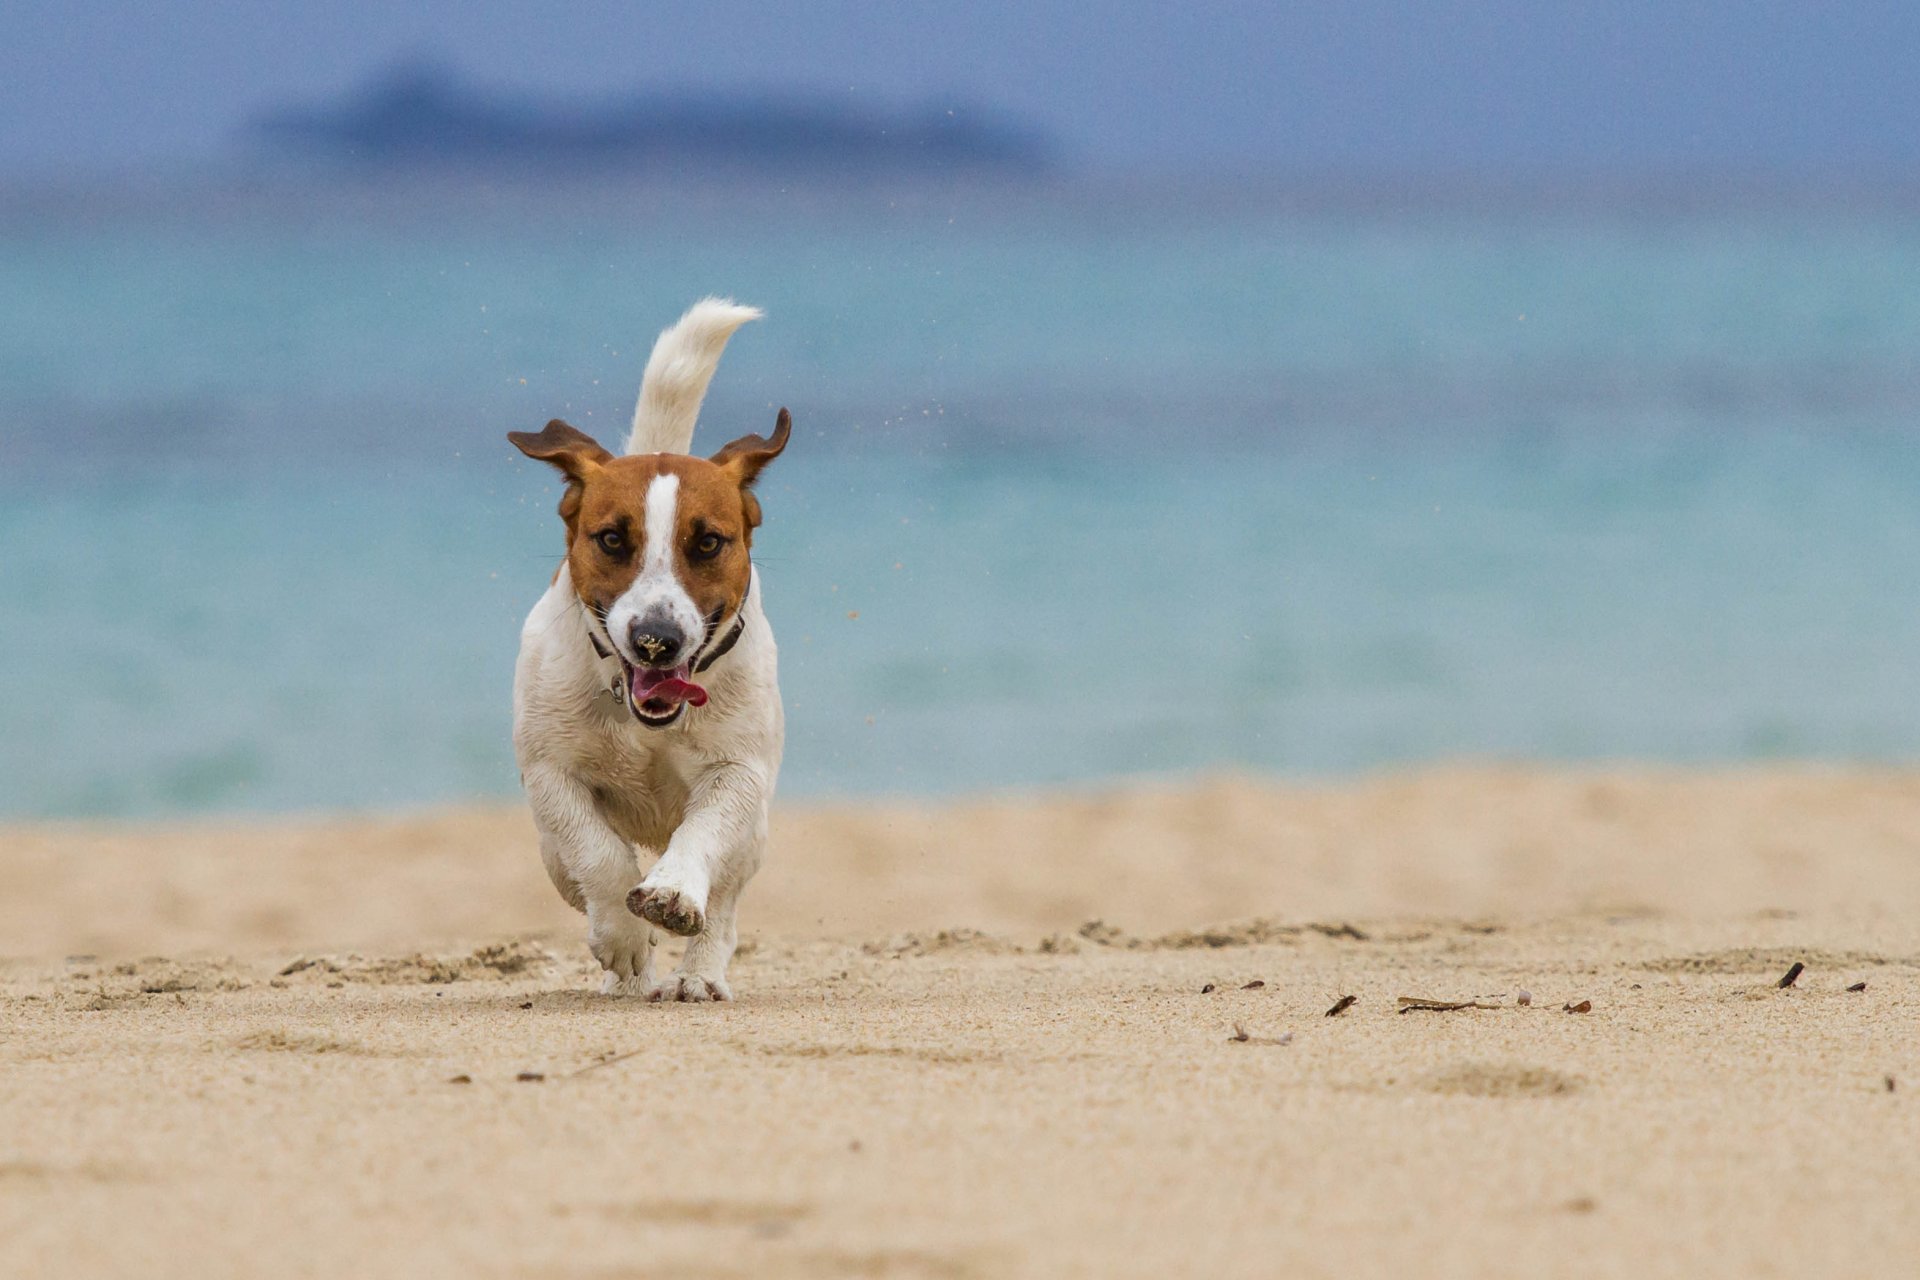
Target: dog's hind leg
(583,853)
(558,873)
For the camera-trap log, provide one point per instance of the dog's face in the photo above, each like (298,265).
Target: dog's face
(658,549)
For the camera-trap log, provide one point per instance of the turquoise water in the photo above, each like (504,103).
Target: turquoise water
(1083,485)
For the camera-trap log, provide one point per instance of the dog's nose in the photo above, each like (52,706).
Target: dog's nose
(657,640)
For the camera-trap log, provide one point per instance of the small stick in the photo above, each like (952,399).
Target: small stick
(1409,1004)
(1255,985)
(1341,1005)
(605,1062)
(1858,986)
(1793,975)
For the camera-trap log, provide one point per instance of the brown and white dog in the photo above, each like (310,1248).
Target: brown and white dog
(646,700)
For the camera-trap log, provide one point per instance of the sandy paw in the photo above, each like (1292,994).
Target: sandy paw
(668,908)
(612,984)
(690,988)
(625,952)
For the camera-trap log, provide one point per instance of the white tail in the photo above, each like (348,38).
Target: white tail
(682,364)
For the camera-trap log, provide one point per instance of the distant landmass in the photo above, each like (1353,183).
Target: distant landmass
(422,115)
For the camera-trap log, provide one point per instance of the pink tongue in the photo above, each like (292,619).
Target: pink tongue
(647,684)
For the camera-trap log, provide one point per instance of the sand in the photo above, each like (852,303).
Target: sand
(366,1047)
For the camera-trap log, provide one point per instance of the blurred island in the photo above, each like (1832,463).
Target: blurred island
(422,115)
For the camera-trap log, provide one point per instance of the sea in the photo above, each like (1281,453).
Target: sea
(1091,480)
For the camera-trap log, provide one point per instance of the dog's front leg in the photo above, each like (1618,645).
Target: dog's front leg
(694,887)
(586,855)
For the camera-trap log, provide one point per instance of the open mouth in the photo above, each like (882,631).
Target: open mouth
(657,694)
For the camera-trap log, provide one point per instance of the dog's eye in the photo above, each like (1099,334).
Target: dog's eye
(707,546)
(611,541)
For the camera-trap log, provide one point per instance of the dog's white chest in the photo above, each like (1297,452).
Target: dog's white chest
(640,777)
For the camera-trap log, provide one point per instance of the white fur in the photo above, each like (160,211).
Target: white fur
(682,364)
(696,792)
(656,586)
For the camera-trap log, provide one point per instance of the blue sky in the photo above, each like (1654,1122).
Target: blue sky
(1359,87)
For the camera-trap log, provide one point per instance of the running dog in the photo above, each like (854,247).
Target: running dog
(646,699)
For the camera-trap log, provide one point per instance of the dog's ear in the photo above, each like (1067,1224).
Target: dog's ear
(574,452)
(744,459)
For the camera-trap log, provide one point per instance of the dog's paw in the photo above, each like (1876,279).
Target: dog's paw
(671,909)
(689,988)
(624,948)
(612,984)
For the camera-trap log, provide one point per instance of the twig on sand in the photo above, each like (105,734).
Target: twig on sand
(1341,1005)
(1409,1004)
(1858,986)
(605,1062)
(1255,985)
(1585,1006)
(1793,975)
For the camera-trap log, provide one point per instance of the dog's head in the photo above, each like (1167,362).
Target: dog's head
(658,548)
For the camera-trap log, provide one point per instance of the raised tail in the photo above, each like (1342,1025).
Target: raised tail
(682,364)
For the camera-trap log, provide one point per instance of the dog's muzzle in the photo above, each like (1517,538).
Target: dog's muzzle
(656,695)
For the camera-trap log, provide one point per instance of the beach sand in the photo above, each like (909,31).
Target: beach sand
(978,1039)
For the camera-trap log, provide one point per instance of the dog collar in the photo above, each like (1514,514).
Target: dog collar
(727,642)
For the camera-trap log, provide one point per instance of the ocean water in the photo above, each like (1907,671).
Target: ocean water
(1085,483)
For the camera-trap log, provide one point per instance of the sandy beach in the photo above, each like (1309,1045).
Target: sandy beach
(995,1037)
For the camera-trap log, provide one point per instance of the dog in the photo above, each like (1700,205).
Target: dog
(646,697)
